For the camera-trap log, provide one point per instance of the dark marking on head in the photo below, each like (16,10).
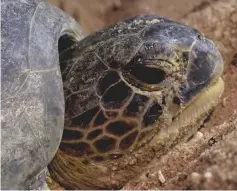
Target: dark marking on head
(115,65)
(85,118)
(137,104)
(76,149)
(152,114)
(71,134)
(128,141)
(176,100)
(100,119)
(92,135)
(116,95)
(85,161)
(185,56)
(115,156)
(106,81)
(120,128)
(97,158)
(163,100)
(105,144)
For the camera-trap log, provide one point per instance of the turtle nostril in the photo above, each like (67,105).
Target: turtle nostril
(199,37)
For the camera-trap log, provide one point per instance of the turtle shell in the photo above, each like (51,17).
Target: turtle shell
(32,97)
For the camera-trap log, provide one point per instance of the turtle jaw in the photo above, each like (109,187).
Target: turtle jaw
(202,90)
(197,109)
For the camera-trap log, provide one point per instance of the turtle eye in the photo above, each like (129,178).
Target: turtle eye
(148,75)
(145,77)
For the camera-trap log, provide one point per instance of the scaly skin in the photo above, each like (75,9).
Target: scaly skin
(158,80)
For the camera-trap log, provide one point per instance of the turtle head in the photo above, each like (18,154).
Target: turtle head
(124,86)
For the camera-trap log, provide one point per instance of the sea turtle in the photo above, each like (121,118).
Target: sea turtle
(132,91)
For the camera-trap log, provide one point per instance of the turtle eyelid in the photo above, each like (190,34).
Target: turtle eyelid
(148,75)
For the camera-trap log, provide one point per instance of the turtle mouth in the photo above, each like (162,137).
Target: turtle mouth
(187,122)
(203,88)
(202,103)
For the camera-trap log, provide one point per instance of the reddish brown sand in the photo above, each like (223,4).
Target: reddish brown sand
(209,161)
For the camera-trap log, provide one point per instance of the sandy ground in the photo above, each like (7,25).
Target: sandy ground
(218,21)
(96,14)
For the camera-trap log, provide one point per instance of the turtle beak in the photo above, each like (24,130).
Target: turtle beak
(205,67)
